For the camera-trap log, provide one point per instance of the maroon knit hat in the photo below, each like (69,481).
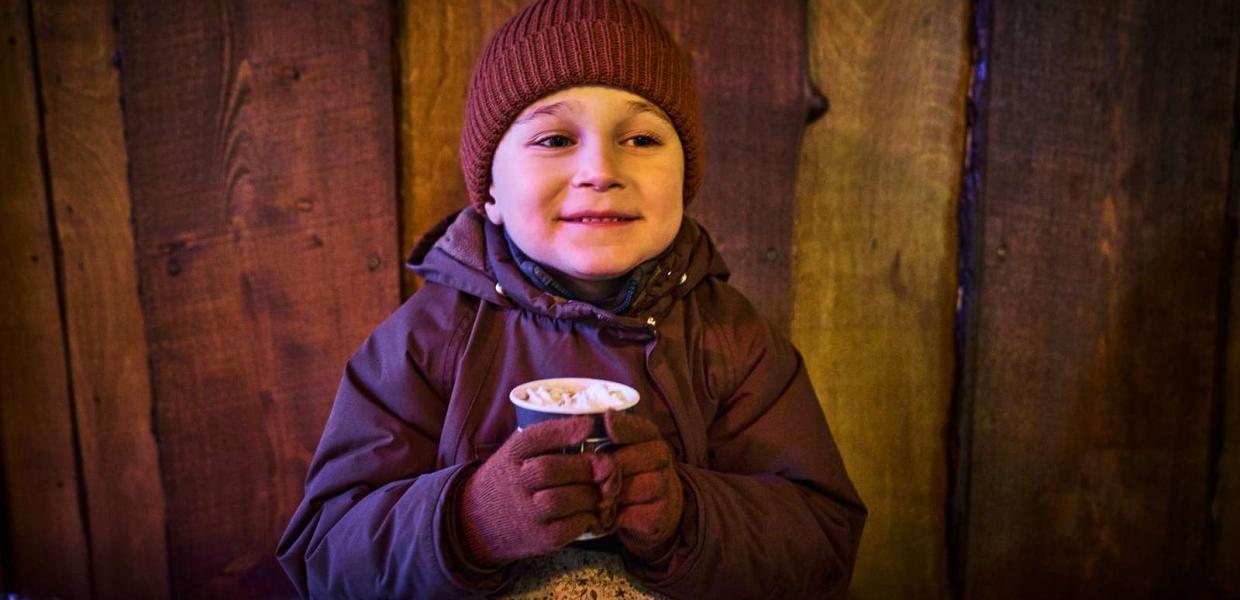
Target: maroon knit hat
(550,45)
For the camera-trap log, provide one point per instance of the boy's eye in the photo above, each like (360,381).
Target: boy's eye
(643,141)
(554,141)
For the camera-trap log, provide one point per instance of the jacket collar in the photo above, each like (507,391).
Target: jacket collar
(469,253)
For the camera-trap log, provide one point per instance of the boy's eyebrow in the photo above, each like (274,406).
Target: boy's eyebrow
(637,106)
(546,109)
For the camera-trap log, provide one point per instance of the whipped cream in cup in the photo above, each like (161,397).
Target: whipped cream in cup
(559,397)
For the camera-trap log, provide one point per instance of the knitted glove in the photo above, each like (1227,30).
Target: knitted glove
(529,498)
(651,498)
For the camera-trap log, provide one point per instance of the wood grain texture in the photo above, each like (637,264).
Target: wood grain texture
(874,275)
(1105,178)
(750,64)
(107,348)
(261,143)
(46,538)
(1226,502)
(1225,508)
(438,43)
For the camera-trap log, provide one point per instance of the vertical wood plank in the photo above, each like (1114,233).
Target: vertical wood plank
(47,550)
(875,268)
(261,143)
(438,43)
(1102,228)
(1226,501)
(107,348)
(750,64)
(1225,508)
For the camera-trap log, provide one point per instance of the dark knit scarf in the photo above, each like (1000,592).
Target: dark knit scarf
(545,281)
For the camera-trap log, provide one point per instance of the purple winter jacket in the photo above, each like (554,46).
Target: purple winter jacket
(769,509)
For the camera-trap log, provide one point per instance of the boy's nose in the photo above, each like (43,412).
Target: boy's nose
(596,168)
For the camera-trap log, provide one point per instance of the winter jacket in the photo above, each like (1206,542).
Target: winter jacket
(769,509)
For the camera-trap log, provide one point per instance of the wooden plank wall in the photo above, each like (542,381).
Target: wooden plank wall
(875,268)
(1223,537)
(88,185)
(261,148)
(1102,249)
(438,43)
(750,67)
(41,515)
(211,224)
(1224,534)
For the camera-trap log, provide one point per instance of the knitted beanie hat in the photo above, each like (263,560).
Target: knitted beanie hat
(550,45)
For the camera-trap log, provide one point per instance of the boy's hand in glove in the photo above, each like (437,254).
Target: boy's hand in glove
(651,499)
(528,498)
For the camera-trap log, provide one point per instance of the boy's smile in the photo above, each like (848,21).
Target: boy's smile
(589,182)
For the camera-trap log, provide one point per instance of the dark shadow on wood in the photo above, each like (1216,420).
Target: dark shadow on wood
(1224,380)
(960,420)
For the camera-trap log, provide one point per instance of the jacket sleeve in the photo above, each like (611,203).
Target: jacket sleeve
(377,519)
(773,514)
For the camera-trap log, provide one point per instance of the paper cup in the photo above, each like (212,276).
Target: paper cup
(532,410)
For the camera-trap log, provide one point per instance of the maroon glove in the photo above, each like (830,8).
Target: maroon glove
(529,499)
(651,499)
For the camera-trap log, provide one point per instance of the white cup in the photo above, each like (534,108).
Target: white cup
(531,410)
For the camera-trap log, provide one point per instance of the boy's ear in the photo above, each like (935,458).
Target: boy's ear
(493,214)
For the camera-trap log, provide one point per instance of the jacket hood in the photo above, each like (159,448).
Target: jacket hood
(469,253)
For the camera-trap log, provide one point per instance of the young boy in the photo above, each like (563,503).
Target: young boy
(582,145)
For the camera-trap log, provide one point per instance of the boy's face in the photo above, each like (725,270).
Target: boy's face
(589,182)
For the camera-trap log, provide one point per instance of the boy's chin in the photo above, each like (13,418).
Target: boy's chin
(601,272)
(601,275)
